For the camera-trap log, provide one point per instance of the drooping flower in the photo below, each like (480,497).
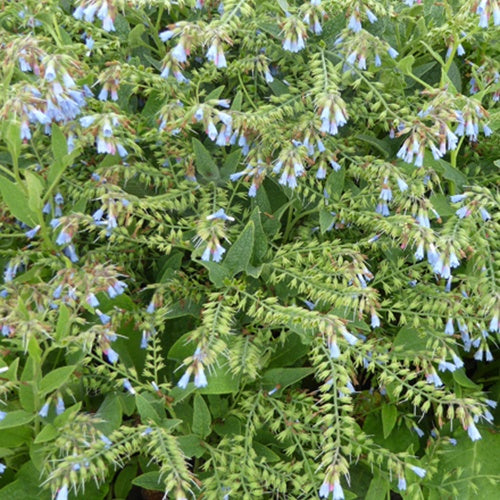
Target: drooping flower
(418,470)
(44,411)
(62,493)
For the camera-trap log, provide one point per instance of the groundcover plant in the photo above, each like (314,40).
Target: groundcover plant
(249,249)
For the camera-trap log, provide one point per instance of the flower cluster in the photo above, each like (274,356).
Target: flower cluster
(104,10)
(102,128)
(332,111)
(210,233)
(195,367)
(295,34)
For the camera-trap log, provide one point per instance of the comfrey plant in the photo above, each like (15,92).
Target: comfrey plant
(249,249)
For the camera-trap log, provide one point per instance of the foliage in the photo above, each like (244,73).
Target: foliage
(249,248)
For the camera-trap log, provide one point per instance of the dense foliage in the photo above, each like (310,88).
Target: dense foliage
(249,248)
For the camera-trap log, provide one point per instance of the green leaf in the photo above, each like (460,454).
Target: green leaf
(283,377)
(231,425)
(236,104)
(68,414)
(182,348)
(17,202)
(289,352)
(59,146)
(110,412)
(134,37)
(26,486)
(60,153)
(217,273)
(215,94)
(27,396)
(205,164)
(230,164)
(335,183)
(443,167)
(441,204)
(220,382)
(123,482)
(12,136)
(16,419)
(389,416)
(434,54)
(471,468)
(16,437)
(408,340)
(150,481)
(325,220)
(278,87)
(455,77)
(48,433)
(34,349)
(238,256)
(461,378)
(260,238)
(146,410)
(202,420)
(63,323)
(405,64)
(379,488)
(381,145)
(55,379)
(35,187)
(265,452)
(191,445)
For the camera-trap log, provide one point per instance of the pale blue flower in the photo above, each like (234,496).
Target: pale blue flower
(62,493)
(418,471)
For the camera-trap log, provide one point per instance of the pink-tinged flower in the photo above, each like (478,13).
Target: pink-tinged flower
(62,493)
(179,53)
(216,55)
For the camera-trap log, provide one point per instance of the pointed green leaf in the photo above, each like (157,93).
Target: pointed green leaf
(220,381)
(283,377)
(55,379)
(48,433)
(205,164)
(58,144)
(63,323)
(238,256)
(150,481)
(202,419)
(16,419)
(379,488)
(146,410)
(17,201)
(12,136)
(230,164)
(260,238)
(389,416)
